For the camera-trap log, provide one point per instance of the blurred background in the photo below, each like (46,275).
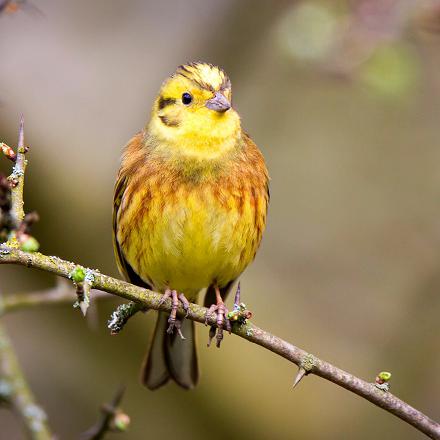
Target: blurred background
(343,98)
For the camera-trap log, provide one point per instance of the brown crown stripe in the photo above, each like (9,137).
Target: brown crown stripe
(197,82)
(193,75)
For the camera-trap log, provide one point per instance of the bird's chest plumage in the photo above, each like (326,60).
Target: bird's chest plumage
(188,236)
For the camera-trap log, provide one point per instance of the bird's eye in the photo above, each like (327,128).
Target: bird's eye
(186,98)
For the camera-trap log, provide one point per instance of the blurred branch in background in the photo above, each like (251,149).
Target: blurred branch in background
(16,394)
(9,6)
(62,293)
(11,253)
(113,419)
(13,6)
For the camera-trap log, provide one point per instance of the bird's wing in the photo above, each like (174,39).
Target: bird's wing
(124,267)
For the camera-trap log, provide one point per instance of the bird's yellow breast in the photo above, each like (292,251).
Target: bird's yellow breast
(187,236)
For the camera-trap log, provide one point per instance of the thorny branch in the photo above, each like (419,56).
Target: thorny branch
(14,390)
(17,178)
(307,362)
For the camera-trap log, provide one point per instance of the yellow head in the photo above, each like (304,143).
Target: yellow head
(192,114)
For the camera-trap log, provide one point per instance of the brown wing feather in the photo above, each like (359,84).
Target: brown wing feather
(120,186)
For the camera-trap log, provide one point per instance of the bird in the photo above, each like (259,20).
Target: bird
(189,211)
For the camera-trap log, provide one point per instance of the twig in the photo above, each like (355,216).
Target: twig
(122,314)
(17,178)
(113,419)
(16,392)
(62,293)
(13,6)
(19,396)
(248,331)
(8,151)
(27,222)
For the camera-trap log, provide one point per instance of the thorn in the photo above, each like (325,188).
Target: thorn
(237,295)
(21,135)
(301,373)
(118,395)
(83,306)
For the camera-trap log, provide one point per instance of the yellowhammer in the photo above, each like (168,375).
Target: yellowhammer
(190,207)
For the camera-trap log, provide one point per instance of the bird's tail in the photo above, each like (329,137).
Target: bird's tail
(170,357)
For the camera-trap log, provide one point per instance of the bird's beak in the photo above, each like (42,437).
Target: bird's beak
(219,103)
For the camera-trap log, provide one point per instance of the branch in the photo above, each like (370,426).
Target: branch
(306,361)
(15,392)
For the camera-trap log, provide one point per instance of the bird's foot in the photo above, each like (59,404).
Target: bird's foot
(173,321)
(222,320)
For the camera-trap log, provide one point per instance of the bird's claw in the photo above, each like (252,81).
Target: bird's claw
(176,324)
(222,322)
(185,303)
(173,321)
